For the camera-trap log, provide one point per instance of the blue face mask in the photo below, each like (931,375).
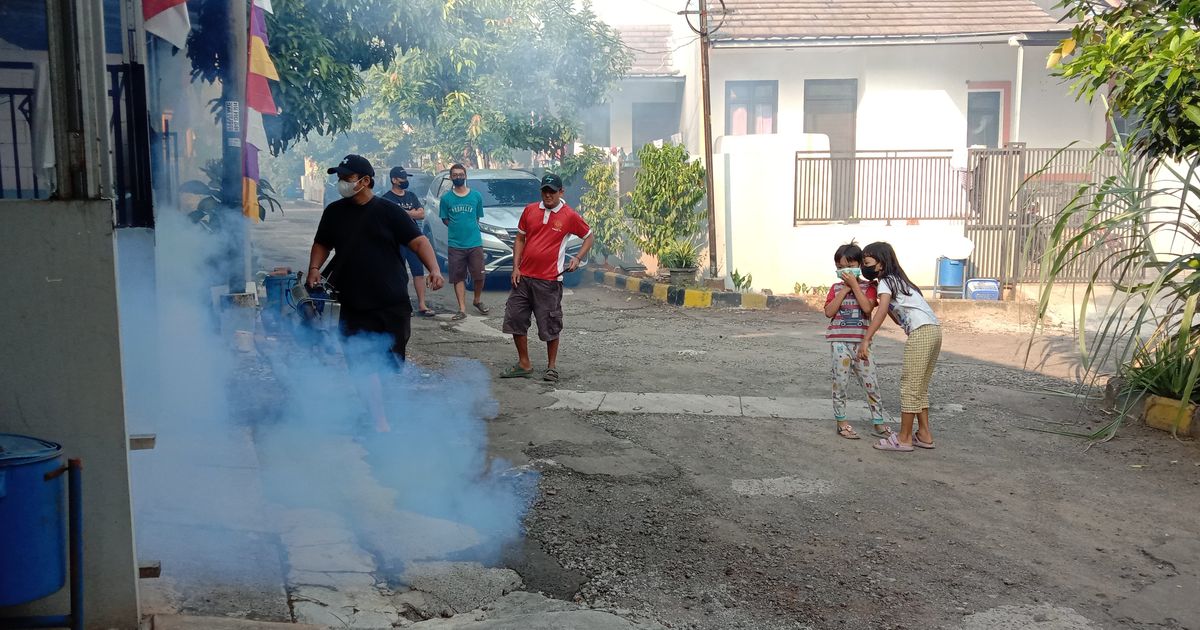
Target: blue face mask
(459,182)
(402,183)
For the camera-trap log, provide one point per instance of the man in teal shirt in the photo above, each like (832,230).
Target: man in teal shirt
(461,209)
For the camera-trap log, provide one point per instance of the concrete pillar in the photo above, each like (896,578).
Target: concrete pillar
(62,380)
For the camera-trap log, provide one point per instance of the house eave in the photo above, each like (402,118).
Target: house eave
(1030,37)
(666,78)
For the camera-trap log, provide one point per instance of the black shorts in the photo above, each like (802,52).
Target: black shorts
(464,261)
(394,321)
(415,266)
(540,298)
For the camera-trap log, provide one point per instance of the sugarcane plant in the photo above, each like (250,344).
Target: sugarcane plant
(1139,229)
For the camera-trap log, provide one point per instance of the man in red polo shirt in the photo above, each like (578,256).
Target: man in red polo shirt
(538,266)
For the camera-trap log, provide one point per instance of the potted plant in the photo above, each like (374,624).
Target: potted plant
(1165,371)
(681,259)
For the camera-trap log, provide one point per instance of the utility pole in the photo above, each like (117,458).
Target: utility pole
(233,102)
(705,31)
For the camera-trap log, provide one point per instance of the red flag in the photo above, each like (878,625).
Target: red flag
(167,19)
(258,94)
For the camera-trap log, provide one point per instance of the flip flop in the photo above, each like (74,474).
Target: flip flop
(848,432)
(882,430)
(482,309)
(459,316)
(551,376)
(920,444)
(892,444)
(428,312)
(516,371)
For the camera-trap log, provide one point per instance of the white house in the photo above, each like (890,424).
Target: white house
(837,120)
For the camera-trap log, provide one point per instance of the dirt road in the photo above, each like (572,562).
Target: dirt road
(716,511)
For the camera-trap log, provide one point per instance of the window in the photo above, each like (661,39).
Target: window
(596,127)
(983,119)
(751,107)
(987,113)
(831,108)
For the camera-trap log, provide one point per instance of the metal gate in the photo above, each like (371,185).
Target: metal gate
(1016,197)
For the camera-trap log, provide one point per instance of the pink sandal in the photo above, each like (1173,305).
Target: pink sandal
(892,444)
(919,444)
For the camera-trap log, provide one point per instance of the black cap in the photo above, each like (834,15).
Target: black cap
(398,172)
(353,165)
(552,181)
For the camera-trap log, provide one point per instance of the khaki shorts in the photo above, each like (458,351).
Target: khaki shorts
(465,261)
(540,298)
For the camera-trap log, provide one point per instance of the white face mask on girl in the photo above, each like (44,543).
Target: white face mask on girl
(348,189)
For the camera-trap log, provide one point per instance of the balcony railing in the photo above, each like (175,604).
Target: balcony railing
(879,185)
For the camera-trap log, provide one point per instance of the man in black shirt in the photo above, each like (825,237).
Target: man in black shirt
(409,202)
(368,234)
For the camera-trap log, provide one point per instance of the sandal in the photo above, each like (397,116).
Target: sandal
(917,442)
(892,444)
(482,309)
(459,316)
(551,376)
(427,312)
(516,371)
(848,432)
(882,430)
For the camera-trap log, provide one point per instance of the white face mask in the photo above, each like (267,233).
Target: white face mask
(348,189)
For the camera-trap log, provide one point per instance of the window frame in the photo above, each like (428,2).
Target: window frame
(1004,88)
(753,101)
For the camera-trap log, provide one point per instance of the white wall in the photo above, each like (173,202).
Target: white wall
(61,338)
(757,234)
(1050,115)
(911,97)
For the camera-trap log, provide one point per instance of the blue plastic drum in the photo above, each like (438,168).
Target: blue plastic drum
(950,272)
(32,519)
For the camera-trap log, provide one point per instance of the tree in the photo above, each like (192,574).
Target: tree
(664,207)
(320,48)
(1146,55)
(499,75)
(601,210)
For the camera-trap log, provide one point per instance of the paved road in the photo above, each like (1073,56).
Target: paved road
(695,515)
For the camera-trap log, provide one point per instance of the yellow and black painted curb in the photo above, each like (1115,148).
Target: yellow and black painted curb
(695,298)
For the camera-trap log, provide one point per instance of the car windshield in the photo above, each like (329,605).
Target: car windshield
(507,192)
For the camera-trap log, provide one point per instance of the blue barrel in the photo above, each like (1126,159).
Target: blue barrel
(950,272)
(33,563)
